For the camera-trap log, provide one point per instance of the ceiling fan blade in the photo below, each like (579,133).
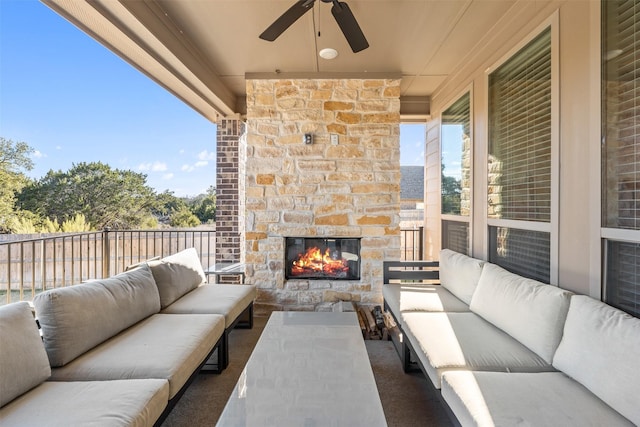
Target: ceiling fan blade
(286,19)
(349,26)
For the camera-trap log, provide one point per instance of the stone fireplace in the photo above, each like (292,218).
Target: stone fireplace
(321,258)
(341,183)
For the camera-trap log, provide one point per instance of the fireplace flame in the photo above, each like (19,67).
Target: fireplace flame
(314,261)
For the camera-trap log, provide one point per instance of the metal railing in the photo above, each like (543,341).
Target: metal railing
(33,265)
(411,244)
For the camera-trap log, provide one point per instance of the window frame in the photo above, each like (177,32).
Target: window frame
(552,227)
(451,217)
(607,233)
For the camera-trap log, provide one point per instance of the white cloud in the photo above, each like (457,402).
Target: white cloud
(159,167)
(196,165)
(58,147)
(153,167)
(206,155)
(181,151)
(38,154)
(167,176)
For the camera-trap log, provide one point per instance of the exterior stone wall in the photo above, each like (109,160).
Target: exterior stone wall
(351,189)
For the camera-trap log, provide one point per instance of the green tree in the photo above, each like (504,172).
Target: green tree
(107,197)
(204,206)
(184,218)
(49,226)
(166,204)
(176,211)
(451,191)
(14,158)
(75,224)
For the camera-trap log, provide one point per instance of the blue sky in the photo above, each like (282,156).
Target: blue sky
(74,101)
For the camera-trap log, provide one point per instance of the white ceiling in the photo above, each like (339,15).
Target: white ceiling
(203,50)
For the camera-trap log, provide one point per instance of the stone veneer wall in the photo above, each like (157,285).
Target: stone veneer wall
(351,189)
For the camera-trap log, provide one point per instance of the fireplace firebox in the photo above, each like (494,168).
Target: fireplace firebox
(322,258)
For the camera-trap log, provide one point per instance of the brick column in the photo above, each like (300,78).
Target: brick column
(229,132)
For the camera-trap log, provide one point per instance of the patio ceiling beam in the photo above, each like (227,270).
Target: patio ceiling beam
(153,49)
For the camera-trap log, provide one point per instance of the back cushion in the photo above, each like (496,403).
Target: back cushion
(531,312)
(459,274)
(23,361)
(601,350)
(177,274)
(77,318)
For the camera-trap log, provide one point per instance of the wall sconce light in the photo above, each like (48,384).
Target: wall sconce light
(307,138)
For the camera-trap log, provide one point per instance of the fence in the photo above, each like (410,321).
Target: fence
(56,260)
(411,244)
(32,265)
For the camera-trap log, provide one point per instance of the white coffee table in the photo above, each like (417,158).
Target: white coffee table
(307,369)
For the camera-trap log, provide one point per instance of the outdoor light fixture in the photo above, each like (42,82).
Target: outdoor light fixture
(328,53)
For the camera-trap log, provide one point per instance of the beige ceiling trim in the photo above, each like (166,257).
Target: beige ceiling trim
(159,23)
(415,109)
(521,16)
(322,76)
(444,35)
(115,27)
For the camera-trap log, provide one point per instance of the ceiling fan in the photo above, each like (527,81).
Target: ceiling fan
(340,11)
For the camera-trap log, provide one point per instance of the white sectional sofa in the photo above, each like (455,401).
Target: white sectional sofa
(234,302)
(507,350)
(151,328)
(29,398)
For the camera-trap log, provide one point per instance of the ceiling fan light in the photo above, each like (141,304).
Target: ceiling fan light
(328,53)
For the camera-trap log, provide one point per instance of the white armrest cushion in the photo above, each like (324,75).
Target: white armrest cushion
(23,361)
(177,274)
(600,349)
(459,274)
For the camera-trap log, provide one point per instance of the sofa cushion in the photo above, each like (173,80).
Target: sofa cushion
(23,360)
(600,349)
(177,274)
(530,311)
(77,318)
(463,341)
(165,346)
(459,273)
(524,399)
(136,403)
(227,300)
(421,298)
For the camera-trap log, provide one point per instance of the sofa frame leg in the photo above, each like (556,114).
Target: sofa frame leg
(245,319)
(222,357)
(406,358)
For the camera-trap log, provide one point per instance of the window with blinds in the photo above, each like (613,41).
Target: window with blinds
(455,150)
(520,134)
(519,160)
(621,151)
